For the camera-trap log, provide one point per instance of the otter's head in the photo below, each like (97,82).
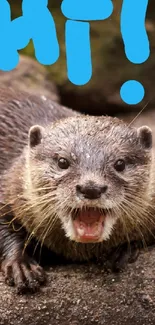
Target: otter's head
(88,172)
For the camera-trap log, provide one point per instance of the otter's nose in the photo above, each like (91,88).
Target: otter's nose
(91,192)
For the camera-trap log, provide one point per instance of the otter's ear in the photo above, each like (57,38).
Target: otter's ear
(35,135)
(145,136)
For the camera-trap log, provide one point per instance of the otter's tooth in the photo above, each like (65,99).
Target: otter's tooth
(80,231)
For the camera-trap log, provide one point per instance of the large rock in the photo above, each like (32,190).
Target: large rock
(86,295)
(31,77)
(110,65)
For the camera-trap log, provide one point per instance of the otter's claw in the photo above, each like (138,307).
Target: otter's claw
(24,273)
(123,255)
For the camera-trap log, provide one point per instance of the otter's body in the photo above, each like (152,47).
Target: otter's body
(81,185)
(18,112)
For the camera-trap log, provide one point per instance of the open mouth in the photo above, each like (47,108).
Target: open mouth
(89,224)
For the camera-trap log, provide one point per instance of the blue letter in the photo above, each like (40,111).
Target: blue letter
(133,30)
(136,45)
(78,52)
(87,9)
(79,65)
(37,24)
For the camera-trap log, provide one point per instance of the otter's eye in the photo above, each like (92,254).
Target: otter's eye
(119,165)
(63,163)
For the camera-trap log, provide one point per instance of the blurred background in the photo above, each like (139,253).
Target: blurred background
(110,65)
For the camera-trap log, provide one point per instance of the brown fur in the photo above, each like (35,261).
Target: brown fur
(17,178)
(18,112)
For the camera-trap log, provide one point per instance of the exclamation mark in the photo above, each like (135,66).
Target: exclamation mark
(136,45)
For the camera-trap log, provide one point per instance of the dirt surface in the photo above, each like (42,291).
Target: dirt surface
(85,295)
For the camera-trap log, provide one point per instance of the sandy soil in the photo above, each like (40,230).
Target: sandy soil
(86,295)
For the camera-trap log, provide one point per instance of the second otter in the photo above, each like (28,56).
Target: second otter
(80,185)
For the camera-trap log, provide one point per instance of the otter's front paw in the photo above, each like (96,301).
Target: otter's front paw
(122,255)
(23,273)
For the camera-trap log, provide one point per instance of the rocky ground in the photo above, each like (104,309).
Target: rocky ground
(85,295)
(30,76)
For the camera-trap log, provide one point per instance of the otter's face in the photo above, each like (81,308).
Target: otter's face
(91,171)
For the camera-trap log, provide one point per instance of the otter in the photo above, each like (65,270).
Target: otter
(80,185)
